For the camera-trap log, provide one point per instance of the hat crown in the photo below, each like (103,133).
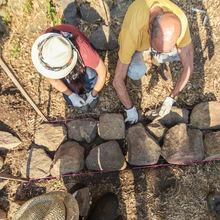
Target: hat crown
(57,51)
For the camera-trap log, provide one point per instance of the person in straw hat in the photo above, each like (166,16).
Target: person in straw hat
(65,56)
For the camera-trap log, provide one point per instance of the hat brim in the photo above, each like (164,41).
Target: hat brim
(41,69)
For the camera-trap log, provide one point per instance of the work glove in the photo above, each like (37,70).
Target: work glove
(166,107)
(76,100)
(90,98)
(132,115)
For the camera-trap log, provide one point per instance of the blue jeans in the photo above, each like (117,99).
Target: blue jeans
(137,67)
(90,79)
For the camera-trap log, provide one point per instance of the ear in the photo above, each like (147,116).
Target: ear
(149,32)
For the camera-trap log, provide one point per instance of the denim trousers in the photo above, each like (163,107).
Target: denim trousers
(90,80)
(137,67)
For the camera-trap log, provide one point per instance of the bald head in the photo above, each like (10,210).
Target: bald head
(166,29)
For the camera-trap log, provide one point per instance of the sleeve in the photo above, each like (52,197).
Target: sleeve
(127,46)
(185,37)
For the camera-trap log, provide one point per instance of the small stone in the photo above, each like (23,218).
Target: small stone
(106,156)
(82,130)
(212,145)
(36,163)
(143,149)
(69,158)
(119,10)
(8,141)
(176,116)
(50,136)
(104,38)
(206,115)
(111,126)
(156,129)
(182,145)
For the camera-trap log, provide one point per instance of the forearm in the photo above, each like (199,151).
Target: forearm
(181,81)
(60,86)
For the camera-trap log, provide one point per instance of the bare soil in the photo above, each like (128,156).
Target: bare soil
(171,192)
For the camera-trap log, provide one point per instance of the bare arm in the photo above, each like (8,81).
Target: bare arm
(60,86)
(187,58)
(118,83)
(101,71)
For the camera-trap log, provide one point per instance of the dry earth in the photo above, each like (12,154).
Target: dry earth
(172,192)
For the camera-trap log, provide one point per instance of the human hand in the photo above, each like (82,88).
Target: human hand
(90,98)
(132,115)
(76,100)
(166,107)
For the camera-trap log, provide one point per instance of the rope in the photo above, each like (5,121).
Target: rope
(110,171)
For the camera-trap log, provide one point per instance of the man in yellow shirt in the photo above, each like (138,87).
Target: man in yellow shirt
(160,27)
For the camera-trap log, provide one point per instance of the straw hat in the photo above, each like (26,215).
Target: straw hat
(53,56)
(56,205)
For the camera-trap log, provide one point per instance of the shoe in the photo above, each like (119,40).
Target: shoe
(164,71)
(105,208)
(213,200)
(136,82)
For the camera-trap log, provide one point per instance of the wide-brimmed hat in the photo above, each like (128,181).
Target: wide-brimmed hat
(49,206)
(53,55)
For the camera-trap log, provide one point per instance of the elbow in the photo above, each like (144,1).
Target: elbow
(116,84)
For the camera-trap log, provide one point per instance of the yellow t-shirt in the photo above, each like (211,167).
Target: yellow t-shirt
(134,37)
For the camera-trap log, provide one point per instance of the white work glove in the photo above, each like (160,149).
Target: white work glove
(132,115)
(166,107)
(90,98)
(76,100)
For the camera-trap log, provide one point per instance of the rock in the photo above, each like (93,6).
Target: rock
(82,129)
(83,200)
(36,163)
(3,182)
(89,14)
(143,149)
(156,129)
(8,141)
(69,158)
(50,135)
(176,116)
(182,145)
(206,115)
(104,38)
(1,162)
(2,2)
(106,156)
(119,10)
(3,28)
(212,145)
(13,209)
(111,126)
(2,215)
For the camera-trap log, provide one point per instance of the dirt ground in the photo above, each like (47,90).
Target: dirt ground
(171,192)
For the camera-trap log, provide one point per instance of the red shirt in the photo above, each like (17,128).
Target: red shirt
(89,56)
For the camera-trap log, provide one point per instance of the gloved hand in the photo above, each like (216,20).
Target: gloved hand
(132,115)
(90,98)
(76,100)
(166,107)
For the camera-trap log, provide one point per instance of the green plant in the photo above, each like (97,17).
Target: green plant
(28,6)
(7,17)
(16,49)
(57,183)
(51,11)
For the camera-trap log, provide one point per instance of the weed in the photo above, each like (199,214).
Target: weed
(28,6)
(57,183)
(51,11)
(16,49)
(7,18)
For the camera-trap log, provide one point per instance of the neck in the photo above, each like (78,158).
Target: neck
(153,14)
